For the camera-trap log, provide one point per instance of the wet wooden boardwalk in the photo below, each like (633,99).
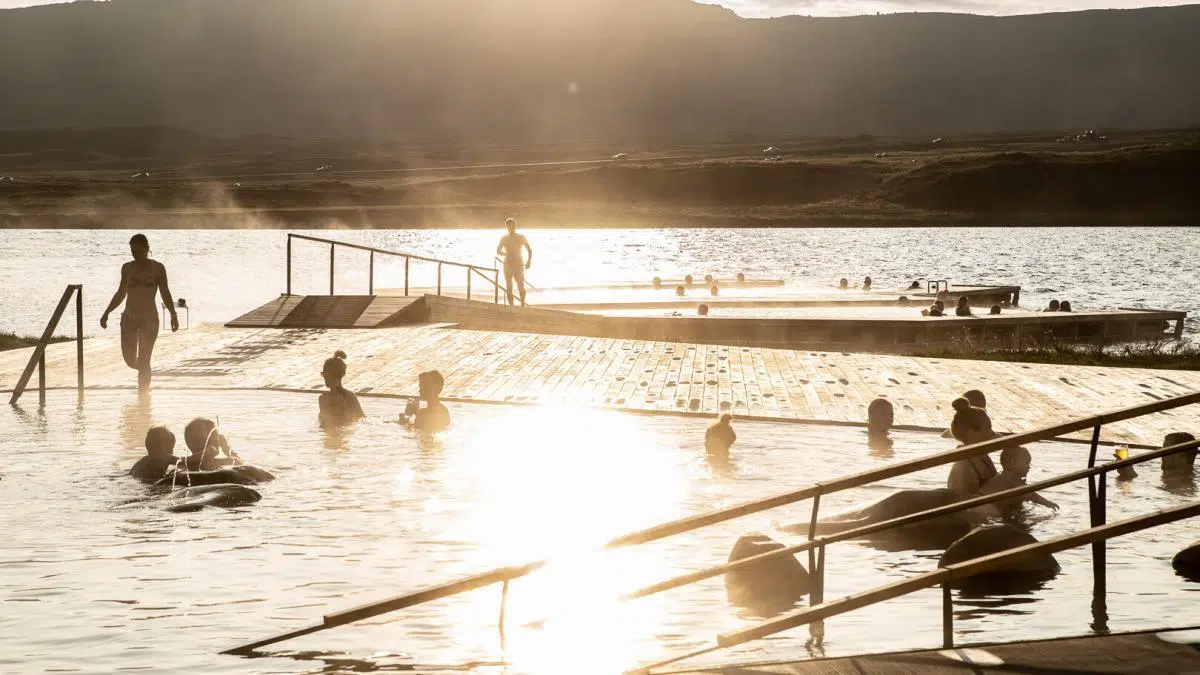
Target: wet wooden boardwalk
(1122,654)
(775,384)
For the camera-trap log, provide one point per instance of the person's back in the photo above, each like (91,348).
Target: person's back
(339,406)
(160,449)
(433,418)
(720,437)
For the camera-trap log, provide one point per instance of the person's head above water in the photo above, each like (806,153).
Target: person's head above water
(844,283)
(702,310)
(334,369)
(1180,462)
(970,424)
(1016,460)
(867,282)
(139,246)
(1053,306)
(995,310)
(880,415)
(714,290)
(160,442)
(199,434)
(657,282)
(688,280)
(976,398)
(708,278)
(511,225)
(679,290)
(1065,306)
(741,277)
(430,385)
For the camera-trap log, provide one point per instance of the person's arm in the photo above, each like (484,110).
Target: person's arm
(500,246)
(118,297)
(166,296)
(529,252)
(1038,499)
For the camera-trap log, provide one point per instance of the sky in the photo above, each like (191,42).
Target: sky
(764,8)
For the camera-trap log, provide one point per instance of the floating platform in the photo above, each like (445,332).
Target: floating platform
(889,328)
(1141,653)
(519,367)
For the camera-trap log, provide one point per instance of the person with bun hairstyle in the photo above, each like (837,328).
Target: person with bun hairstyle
(434,417)
(339,406)
(971,425)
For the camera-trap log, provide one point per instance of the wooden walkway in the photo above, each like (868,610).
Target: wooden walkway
(774,384)
(1121,654)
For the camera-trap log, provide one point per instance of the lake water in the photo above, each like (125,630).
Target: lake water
(95,578)
(224,273)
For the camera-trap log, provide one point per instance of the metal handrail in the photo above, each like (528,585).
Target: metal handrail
(408,257)
(813,492)
(945,576)
(38,357)
(903,521)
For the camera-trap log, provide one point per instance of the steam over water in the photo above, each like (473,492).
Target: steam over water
(225,273)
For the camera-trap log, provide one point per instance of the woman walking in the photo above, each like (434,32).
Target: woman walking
(141,280)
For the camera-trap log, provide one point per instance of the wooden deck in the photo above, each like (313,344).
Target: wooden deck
(645,376)
(1148,653)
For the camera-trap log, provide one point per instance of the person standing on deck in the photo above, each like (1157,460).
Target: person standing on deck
(510,247)
(141,280)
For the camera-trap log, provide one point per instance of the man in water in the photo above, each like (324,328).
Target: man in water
(160,455)
(434,417)
(718,439)
(510,247)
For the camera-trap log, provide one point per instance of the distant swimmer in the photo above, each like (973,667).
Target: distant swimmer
(141,280)
(963,307)
(688,280)
(434,417)
(160,455)
(867,284)
(1065,306)
(510,247)
(741,278)
(914,285)
(1053,306)
(657,282)
(680,291)
(844,283)
(339,406)
(209,448)
(719,438)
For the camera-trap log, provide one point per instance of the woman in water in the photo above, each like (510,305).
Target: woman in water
(339,406)
(141,280)
(971,425)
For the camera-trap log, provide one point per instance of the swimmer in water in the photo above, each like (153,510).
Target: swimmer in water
(210,449)
(510,247)
(880,417)
(1014,465)
(339,406)
(434,417)
(971,425)
(141,280)
(160,456)
(718,439)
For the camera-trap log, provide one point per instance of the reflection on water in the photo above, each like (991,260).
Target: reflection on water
(377,511)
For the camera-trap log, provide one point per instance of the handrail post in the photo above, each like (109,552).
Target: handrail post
(816,569)
(289,263)
(469,270)
(42,379)
(947,616)
(79,336)
(503,613)
(332,248)
(371,276)
(1095,446)
(406,259)
(1099,557)
(439,290)
(496,286)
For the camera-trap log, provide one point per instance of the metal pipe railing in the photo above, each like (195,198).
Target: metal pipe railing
(38,358)
(815,492)
(408,257)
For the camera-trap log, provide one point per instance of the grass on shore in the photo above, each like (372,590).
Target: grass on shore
(10,341)
(1160,354)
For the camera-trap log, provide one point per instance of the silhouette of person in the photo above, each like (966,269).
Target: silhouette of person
(880,416)
(160,456)
(971,425)
(718,439)
(141,280)
(434,417)
(510,247)
(339,406)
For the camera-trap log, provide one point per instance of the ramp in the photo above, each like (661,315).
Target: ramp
(334,311)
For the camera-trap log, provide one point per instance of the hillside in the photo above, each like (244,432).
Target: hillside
(527,72)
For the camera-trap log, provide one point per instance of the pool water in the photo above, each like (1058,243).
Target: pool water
(96,578)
